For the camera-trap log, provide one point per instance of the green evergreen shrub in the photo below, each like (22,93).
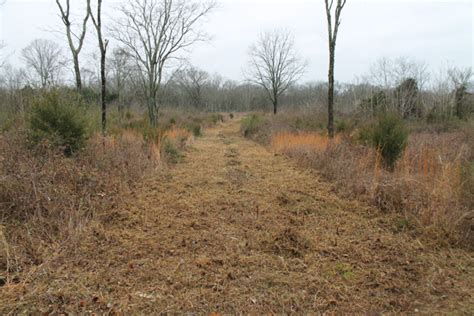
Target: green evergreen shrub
(59,122)
(390,137)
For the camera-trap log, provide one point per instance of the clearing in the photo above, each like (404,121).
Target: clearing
(235,228)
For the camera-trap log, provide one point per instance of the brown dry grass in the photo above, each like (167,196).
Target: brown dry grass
(427,186)
(287,141)
(46,199)
(236,229)
(179,136)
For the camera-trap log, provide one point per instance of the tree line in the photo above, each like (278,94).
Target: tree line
(147,66)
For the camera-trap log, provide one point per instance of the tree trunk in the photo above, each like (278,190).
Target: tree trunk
(275,105)
(152,111)
(331,91)
(77,72)
(458,99)
(103,91)
(103,52)
(119,97)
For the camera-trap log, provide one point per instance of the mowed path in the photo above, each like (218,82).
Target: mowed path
(234,228)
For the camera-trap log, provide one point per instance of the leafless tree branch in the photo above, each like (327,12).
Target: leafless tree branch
(44,57)
(65,14)
(275,65)
(155,32)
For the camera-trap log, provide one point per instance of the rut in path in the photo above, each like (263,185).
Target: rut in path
(235,228)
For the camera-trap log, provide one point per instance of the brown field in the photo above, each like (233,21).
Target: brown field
(236,228)
(428,186)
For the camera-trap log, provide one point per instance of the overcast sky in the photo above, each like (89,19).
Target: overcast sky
(436,32)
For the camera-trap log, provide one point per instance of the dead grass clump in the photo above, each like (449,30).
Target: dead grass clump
(179,136)
(127,154)
(288,142)
(193,121)
(47,198)
(289,242)
(172,142)
(263,128)
(428,183)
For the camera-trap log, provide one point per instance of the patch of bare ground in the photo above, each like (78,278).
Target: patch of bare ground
(234,228)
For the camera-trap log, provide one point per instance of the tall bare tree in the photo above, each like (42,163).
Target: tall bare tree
(155,32)
(274,64)
(333,29)
(400,81)
(193,81)
(119,64)
(65,13)
(44,57)
(103,43)
(459,76)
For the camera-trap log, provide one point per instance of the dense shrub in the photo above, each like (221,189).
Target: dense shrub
(195,129)
(342,126)
(308,123)
(143,127)
(390,137)
(170,152)
(406,95)
(375,104)
(365,133)
(461,102)
(216,118)
(58,122)
(250,125)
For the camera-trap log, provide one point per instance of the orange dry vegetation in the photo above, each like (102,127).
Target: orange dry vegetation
(426,184)
(177,133)
(289,141)
(152,148)
(178,136)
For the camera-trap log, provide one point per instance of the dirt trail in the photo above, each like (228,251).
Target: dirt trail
(235,228)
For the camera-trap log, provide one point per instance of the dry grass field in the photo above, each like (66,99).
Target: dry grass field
(237,228)
(155,160)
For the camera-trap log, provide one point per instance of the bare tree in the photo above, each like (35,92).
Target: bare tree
(405,68)
(381,73)
(407,98)
(274,64)
(333,29)
(192,81)
(460,79)
(400,81)
(13,80)
(387,73)
(65,13)
(155,32)
(103,43)
(45,58)
(119,63)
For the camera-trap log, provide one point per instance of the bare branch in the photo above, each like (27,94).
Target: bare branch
(156,32)
(75,48)
(274,64)
(44,57)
